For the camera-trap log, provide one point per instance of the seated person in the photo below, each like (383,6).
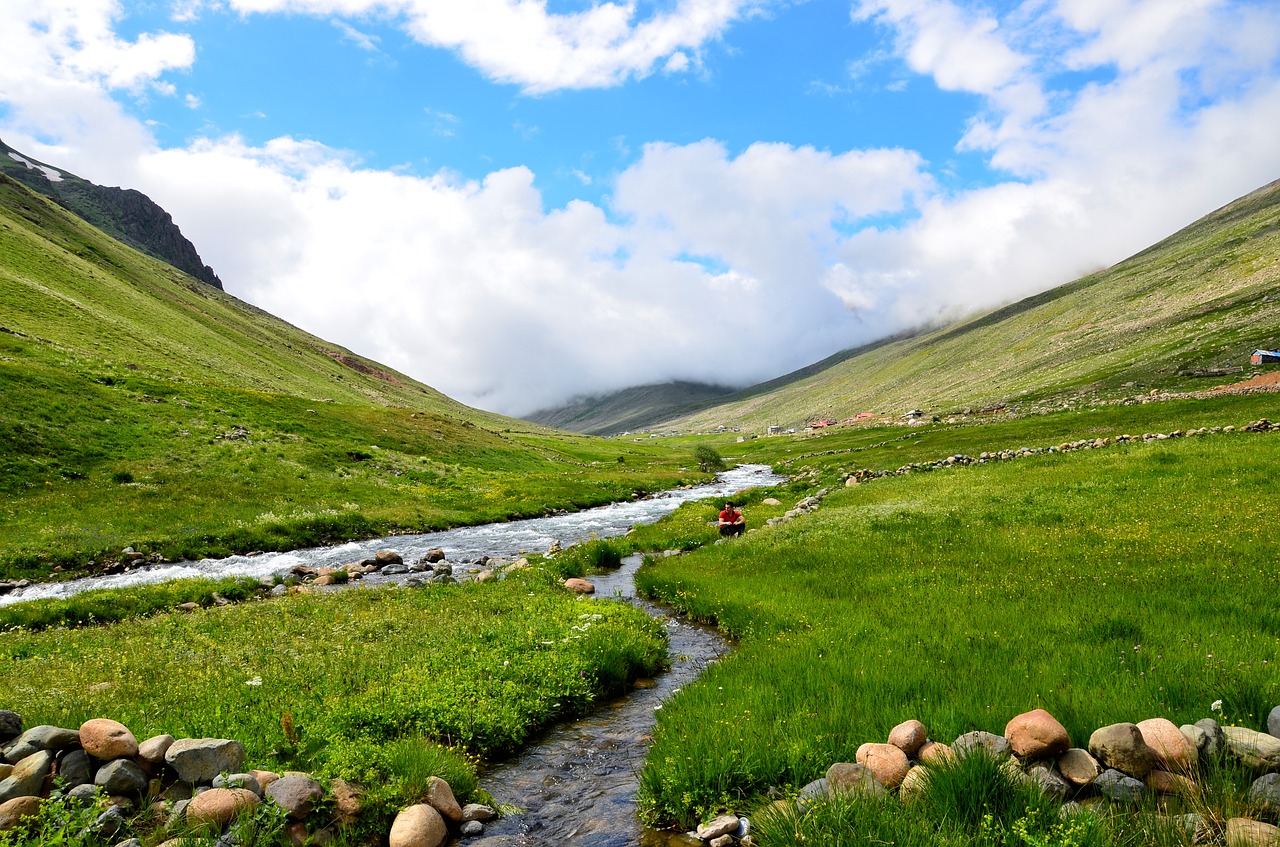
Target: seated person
(731,521)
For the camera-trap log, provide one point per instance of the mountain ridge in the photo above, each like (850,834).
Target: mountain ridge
(124,213)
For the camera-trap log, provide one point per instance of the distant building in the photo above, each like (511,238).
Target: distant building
(775,430)
(1264,357)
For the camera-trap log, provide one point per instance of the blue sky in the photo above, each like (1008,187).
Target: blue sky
(519,202)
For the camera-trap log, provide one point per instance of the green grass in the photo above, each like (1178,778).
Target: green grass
(1103,586)
(109,605)
(364,683)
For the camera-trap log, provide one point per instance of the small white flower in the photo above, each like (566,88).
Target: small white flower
(255,682)
(1215,706)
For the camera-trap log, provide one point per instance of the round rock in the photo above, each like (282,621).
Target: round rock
(106,739)
(10,725)
(1273,722)
(1119,787)
(1173,754)
(1265,792)
(123,777)
(978,741)
(440,797)
(1078,767)
(297,795)
(199,760)
(853,778)
(219,806)
(1037,735)
(1120,746)
(908,737)
(13,811)
(887,763)
(1242,832)
(418,826)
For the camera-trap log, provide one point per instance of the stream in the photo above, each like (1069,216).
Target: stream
(465,544)
(578,783)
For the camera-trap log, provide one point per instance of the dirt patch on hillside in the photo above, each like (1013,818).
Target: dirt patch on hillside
(357,365)
(1270,380)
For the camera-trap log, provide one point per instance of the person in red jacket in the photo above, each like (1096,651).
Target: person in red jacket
(731,521)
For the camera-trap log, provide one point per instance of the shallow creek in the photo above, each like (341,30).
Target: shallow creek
(577,784)
(499,540)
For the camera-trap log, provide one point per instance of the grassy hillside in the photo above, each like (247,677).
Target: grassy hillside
(144,408)
(1204,297)
(630,409)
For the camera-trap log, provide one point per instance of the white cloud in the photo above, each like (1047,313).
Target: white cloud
(701,263)
(522,43)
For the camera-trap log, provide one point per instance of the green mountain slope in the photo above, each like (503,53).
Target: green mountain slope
(142,407)
(630,409)
(1201,299)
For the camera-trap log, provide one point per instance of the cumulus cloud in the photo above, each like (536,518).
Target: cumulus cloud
(700,263)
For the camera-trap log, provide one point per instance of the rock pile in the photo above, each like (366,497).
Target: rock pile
(431,567)
(1121,764)
(193,782)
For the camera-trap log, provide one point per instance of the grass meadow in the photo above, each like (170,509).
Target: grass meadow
(1110,585)
(382,686)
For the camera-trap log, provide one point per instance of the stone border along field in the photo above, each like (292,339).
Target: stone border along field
(1123,763)
(193,785)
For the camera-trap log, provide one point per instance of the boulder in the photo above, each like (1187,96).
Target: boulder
(199,760)
(297,795)
(388,557)
(848,777)
(722,825)
(478,812)
(440,797)
(106,739)
(1265,792)
(1173,753)
(264,778)
(41,738)
(433,556)
(28,777)
(934,753)
(1078,767)
(1255,749)
(418,826)
(1215,741)
(987,743)
(581,586)
(13,811)
(10,725)
(151,752)
(220,806)
(348,798)
(908,737)
(122,777)
(1037,735)
(1164,782)
(1273,722)
(1119,787)
(1120,746)
(914,784)
(1242,832)
(74,768)
(886,762)
(1045,776)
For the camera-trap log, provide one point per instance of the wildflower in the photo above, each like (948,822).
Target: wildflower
(255,682)
(1215,706)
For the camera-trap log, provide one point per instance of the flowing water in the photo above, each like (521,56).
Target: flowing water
(498,540)
(577,784)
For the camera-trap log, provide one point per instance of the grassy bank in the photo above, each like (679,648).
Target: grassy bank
(365,684)
(1110,585)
